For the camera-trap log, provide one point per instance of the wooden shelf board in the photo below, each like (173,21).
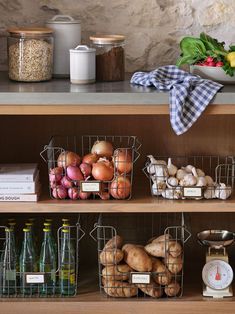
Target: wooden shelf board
(139,203)
(95,302)
(101,109)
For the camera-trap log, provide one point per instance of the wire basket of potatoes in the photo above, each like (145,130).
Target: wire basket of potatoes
(130,269)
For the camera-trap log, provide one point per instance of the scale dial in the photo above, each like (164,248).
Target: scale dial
(217,274)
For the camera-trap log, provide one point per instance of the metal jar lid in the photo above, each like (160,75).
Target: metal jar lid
(107,39)
(63,19)
(83,49)
(29,31)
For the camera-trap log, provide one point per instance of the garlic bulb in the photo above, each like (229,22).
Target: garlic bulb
(200,173)
(181,174)
(209,181)
(188,168)
(158,188)
(188,180)
(209,193)
(201,181)
(172,193)
(222,191)
(157,167)
(172,182)
(172,169)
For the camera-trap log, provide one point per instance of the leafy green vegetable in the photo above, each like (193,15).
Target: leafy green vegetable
(194,50)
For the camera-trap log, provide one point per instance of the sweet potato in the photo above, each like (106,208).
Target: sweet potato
(111,257)
(116,272)
(120,289)
(161,274)
(114,243)
(172,289)
(152,289)
(174,264)
(138,259)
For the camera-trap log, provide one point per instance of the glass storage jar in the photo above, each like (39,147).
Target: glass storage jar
(110,57)
(30,54)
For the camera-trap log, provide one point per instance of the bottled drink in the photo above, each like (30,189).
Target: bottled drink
(67,276)
(47,225)
(29,225)
(27,263)
(47,264)
(8,264)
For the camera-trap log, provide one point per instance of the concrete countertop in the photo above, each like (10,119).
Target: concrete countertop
(60,91)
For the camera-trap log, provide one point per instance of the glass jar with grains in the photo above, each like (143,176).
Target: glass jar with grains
(30,54)
(110,57)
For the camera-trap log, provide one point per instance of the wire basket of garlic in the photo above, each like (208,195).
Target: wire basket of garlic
(194,177)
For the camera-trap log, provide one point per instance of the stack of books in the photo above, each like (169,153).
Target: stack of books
(19,182)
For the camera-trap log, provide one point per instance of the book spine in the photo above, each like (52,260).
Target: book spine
(19,198)
(15,178)
(18,187)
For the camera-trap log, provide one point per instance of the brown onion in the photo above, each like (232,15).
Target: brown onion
(123,160)
(102,149)
(67,158)
(74,173)
(120,188)
(103,170)
(90,158)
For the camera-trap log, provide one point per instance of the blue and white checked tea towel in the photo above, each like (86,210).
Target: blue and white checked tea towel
(189,94)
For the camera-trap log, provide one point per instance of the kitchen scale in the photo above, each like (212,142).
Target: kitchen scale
(217,274)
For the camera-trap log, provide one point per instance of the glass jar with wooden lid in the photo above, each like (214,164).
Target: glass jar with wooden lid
(30,54)
(110,57)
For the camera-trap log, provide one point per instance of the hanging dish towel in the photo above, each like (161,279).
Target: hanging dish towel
(189,94)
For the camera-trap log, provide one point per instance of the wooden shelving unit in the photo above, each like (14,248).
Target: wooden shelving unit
(31,113)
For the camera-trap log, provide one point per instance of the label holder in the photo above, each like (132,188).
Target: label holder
(140,278)
(192,191)
(90,186)
(34,278)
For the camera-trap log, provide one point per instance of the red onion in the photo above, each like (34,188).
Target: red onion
(54,184)
(103,170)
(102,149)
(85,169)
(55,174)
(59,192)
(104,195)
(90,158)
(74,173)
(66,182)
(68,159)
(120,188)
(123,160)
(84,195)
(73,193)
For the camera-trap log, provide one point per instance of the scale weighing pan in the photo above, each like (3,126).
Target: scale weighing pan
(216,238)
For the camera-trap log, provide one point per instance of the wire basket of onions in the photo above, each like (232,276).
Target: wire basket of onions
(91,166)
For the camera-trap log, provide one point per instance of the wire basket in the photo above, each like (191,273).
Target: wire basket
(130,270)
(61,282)
(88,187)
(194,177)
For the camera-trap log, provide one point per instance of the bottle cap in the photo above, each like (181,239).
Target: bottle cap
(12,223)
(11,220)
(65,230)
(65,220)
(26,230)
(28,224)
(46,230)
(8,230)
(48,220)
(47,224)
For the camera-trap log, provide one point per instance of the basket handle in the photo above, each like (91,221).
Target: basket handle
(48,147)
(96,226)
(136,150)
(43,151)
(187,233)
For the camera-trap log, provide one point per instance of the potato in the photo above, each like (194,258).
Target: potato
(174,248)
(162,238)
(162,276)
(114,243)
(156,249)
(159,249)
(120,289)
(152,289)
(172,289)
(126,248)
(138,259)
(111,257)
(174,264)
(116,272)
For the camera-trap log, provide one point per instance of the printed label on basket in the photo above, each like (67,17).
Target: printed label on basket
(139,278)
(10,275)
(192,191)
(35,278)
(92,186)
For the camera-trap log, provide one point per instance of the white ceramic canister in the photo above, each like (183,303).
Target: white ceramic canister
(67,34)
(82,65)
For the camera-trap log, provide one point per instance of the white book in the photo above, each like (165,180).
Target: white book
(20,187)
(19,197)
(18,172)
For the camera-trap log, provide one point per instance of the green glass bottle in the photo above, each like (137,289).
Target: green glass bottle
(47,264)
(29,225)
(67,271)
(27,263)
(8,263)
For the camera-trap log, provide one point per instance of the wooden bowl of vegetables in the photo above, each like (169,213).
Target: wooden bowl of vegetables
(208,58)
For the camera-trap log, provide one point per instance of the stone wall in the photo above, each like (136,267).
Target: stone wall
(153,27)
